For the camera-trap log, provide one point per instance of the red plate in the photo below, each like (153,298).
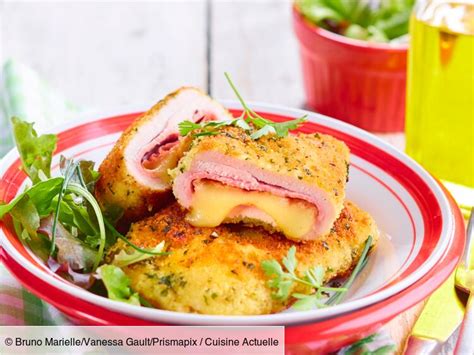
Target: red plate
(426,227)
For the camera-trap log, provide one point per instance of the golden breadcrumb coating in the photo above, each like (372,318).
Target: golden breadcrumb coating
(217,270)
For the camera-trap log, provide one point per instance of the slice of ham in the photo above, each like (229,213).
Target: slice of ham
(240,174)
(134,176)
(317,179)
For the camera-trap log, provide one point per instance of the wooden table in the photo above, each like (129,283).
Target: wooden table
(103,55)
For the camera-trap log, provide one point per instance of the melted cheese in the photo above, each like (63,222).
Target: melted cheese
(213,202)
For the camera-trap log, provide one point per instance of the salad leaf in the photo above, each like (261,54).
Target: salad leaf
(125,258)
(67,178)
(377,21)
(87,174)
(71,251)
(41,195)
(26,214)
(76,215)
(84,173)
(84,280)
(117,284)
(81,191)
(35,151)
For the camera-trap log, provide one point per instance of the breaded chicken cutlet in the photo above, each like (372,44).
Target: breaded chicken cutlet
(218,270)
(134,175)
(229,177)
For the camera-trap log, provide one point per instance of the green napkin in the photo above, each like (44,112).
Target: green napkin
(25,95)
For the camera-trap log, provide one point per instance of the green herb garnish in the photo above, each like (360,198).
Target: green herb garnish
(249,121)
(281,129)
(209,128)
(283,280)
(337,297)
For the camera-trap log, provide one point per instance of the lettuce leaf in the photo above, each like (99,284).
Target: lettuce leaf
(70,250)
(41,195)
(125,258)
(35,151)
(117,284)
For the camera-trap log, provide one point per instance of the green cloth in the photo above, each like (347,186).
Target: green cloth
(25,95)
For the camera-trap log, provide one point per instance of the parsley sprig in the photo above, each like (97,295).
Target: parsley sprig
(249,121)
(209,128)
(283,280)
(264,126)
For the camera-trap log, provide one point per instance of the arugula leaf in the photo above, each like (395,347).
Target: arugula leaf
(117,284)
(35,151)
(125,258)
(41,195)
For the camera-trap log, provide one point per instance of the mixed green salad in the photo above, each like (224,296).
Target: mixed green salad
(60,221)
(369,20)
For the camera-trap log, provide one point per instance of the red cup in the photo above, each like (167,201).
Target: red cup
(355,81)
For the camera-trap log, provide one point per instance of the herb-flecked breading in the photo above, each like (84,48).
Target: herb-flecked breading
(218,270)
(315,159)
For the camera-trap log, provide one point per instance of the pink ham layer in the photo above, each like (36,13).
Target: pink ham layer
(241,174)
(187,104)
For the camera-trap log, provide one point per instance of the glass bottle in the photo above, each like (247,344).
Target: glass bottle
(440,89)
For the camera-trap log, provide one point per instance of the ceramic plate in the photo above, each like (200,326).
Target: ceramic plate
(421,229)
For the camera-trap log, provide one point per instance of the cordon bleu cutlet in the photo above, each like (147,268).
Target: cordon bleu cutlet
(218,270)
(134,176)
(293,184)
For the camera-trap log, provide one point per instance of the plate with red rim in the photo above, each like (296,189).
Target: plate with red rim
(421,242)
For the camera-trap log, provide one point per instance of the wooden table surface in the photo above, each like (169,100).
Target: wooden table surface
(108,54)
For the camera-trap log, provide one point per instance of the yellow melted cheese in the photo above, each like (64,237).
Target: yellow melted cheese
(213,202)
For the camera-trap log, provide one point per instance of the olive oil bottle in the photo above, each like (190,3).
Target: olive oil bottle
(440,89)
